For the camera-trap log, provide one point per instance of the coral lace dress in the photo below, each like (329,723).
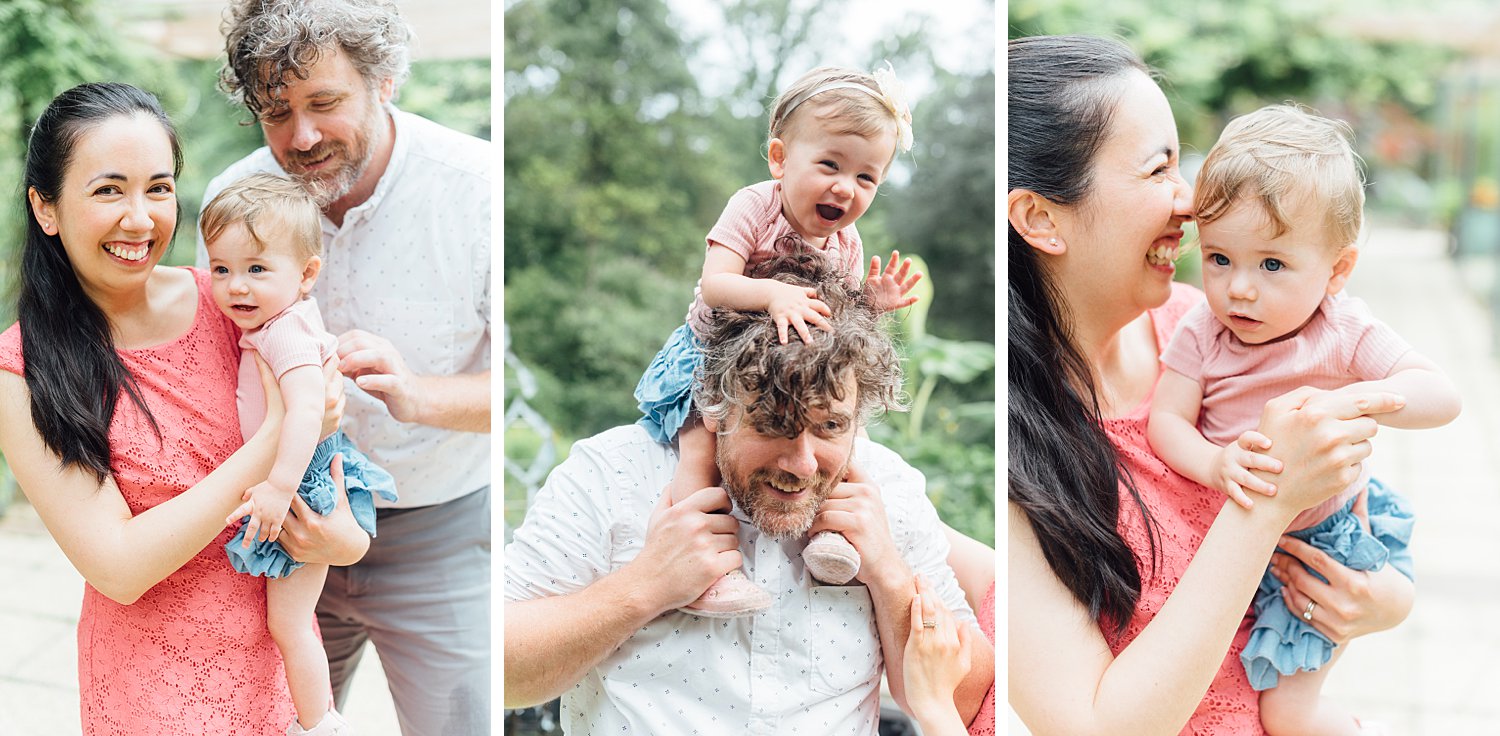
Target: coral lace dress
(1183,511)
(193,655)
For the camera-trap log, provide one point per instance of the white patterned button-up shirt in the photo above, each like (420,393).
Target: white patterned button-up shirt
(810,664)
(412,265)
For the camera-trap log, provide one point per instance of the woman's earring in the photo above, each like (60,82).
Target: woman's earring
(1052,242)
(48,228)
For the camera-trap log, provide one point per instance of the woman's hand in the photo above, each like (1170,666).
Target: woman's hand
(335,539)
(1320,437)
(333,398)
(935,661)
(1353,602)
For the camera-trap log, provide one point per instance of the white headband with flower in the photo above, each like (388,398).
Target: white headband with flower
(891,93)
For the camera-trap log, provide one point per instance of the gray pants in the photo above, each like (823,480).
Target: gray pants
(421,595)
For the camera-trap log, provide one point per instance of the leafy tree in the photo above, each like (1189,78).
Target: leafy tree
(1221,59)
(610,184)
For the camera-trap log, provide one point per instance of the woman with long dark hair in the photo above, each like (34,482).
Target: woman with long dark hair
(117,416)
(1129,585)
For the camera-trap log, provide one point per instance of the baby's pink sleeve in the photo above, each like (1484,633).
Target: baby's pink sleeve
(1374,348)
(287,342)
(739,223)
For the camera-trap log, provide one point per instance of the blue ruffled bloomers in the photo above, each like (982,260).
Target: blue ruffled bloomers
(665,392)
(362,478)
(1281,643)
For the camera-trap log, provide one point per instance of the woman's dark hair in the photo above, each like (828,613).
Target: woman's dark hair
(1065,475)
(74,374)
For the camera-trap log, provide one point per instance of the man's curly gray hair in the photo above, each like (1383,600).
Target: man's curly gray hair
(267,40)
(777,386)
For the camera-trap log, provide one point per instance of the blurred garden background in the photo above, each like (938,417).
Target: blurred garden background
(628,124)
(1420,85)
(174,49)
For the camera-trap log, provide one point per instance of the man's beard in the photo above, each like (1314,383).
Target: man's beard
(775,517)
(327,187)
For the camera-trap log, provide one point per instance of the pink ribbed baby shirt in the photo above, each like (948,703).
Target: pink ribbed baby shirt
(1341,344)
(192,655)
(1183,511)
(751,224)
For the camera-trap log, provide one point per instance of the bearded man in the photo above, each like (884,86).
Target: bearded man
(406,287)
(597,571)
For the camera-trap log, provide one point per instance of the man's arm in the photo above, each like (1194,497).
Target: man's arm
(552,642)
(460,403)
(856,509)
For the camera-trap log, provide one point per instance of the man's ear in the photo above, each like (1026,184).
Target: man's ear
(1033,217)
(386,89)
(1342,269)
(711,424)
(776,157)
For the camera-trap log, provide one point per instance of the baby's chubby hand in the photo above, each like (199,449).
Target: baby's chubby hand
(1234,463)
(267,506)
(797,306)
(889,290)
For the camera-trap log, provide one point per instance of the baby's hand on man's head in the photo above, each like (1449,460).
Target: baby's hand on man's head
(1235,461)
(797,307)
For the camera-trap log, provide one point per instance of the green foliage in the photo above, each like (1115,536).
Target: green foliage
(1220,59)
(948,434)
(616,165)
(946,212)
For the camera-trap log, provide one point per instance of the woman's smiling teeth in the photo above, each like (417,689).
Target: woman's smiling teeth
(1162,255)
(128,252)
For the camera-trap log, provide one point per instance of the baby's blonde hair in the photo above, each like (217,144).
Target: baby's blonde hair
(277,198)
(848,101)
(1276,155)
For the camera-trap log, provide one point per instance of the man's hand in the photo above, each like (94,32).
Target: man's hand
(688,547)
(378,368)
(335,539)
(855,509)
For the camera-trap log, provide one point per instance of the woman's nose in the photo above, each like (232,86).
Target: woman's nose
(137,217)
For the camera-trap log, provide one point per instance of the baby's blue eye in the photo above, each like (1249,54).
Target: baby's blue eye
(257,269)
(1219,259)
(1271,264)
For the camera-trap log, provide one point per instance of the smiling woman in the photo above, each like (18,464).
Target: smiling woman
(117,416)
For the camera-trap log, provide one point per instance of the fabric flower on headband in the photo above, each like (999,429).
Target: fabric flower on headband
(893,94)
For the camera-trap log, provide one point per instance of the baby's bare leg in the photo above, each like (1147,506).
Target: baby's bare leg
(289,615)
(733,594)
(1296,707)
(697,467)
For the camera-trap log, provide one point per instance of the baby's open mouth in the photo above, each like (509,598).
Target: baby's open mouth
(829,212)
